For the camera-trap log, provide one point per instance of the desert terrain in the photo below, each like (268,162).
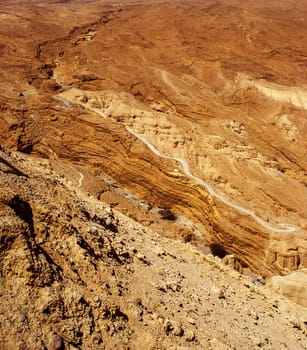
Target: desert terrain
(153,170)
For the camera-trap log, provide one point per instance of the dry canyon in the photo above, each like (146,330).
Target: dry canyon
(153,172)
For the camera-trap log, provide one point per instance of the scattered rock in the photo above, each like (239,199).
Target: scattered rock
(56,343)
(189,335)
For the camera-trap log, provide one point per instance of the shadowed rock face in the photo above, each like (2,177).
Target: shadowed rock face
(195,106)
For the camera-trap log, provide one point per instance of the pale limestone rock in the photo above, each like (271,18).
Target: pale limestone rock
(293,286)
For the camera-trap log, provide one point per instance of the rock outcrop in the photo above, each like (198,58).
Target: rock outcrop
(293,286)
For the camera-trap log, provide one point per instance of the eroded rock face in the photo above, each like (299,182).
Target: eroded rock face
(204,114)
(76,273)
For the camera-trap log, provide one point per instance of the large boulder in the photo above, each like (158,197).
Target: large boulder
(293,286)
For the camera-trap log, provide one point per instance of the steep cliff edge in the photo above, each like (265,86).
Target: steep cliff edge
(77,274)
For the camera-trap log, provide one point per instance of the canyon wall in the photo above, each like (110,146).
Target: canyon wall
(197,108)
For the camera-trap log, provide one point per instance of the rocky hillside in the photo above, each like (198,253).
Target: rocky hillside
(153,174)
(77,274)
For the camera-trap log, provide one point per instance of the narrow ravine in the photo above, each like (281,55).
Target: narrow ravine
(278,227)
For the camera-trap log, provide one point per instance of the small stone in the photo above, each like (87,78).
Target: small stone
(139,309)
(140,256)
(220,292)
(172,286)
(56,343)
(258,342)
(178,331)
(160,252)
(168,327)
(254,315)
(189,335)
(96,339)
(96,301)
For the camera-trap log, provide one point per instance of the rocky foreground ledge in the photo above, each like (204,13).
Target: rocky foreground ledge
(77,274)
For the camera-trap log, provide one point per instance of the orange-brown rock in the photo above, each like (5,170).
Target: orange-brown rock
(220,85)
(77,274)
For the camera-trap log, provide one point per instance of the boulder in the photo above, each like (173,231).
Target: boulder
(292,286)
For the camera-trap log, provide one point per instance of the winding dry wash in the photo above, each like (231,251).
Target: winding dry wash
(279,227)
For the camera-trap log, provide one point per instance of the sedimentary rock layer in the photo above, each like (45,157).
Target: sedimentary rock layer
(76,273)
(219,85)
